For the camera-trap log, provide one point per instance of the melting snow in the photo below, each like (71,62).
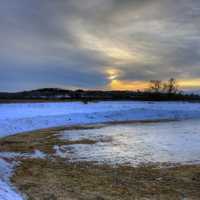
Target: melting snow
(171,142)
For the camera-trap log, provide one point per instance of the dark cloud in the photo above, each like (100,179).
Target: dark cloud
(71,43)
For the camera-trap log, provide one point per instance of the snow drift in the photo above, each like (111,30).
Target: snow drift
(21,117)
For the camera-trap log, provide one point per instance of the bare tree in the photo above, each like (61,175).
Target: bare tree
(155,86)
(170,87)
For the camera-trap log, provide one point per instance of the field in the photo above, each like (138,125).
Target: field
(22,117)
(149,151)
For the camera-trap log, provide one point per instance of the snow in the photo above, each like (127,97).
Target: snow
(21,117)
(7,164)
(118,144)
(136,143)
(60,151)
(36,154)
(7,192)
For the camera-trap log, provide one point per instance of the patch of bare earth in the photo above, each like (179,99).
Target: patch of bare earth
(54,178)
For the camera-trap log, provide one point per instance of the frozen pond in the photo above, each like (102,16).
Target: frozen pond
(136,143)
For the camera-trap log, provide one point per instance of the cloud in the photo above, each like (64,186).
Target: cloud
(74,44)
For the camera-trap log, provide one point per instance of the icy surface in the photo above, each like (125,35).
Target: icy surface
(15,118)
(171,142)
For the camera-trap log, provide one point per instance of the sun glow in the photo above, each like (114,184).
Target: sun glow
(128,85)
(143,85)
(113,73)
(193,83)
(116,84)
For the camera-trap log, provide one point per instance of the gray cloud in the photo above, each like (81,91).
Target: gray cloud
(71,43)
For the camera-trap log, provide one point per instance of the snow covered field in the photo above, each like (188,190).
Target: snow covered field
(15,118)
(147,146)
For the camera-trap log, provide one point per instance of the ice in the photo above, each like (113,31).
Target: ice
(140,143)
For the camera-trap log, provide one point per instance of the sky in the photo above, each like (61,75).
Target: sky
(98,44)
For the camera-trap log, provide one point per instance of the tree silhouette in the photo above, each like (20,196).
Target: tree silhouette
(170,87)
(155,86)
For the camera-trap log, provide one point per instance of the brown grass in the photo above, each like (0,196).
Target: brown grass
(57,179)
(43,140)
(45,179)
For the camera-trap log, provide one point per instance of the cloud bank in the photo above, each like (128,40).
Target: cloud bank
(76,43)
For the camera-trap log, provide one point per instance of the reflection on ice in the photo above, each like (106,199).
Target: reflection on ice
(174,142)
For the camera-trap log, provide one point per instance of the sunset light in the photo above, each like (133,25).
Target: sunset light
(99,44)
(128,85)
(99,99)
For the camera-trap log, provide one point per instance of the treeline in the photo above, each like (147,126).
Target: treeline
(157,91)
(164,87)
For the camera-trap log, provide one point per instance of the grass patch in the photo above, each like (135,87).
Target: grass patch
(43,140)
(45,179)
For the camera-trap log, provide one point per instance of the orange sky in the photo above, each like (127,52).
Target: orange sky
(142,85)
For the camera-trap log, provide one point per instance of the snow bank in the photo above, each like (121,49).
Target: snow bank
(7,164)
(7,192)
(15,118)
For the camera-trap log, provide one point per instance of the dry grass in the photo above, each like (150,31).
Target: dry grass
(43,140)
(45,179)
(57,179)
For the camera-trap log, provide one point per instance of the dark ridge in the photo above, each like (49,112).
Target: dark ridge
(57,94)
